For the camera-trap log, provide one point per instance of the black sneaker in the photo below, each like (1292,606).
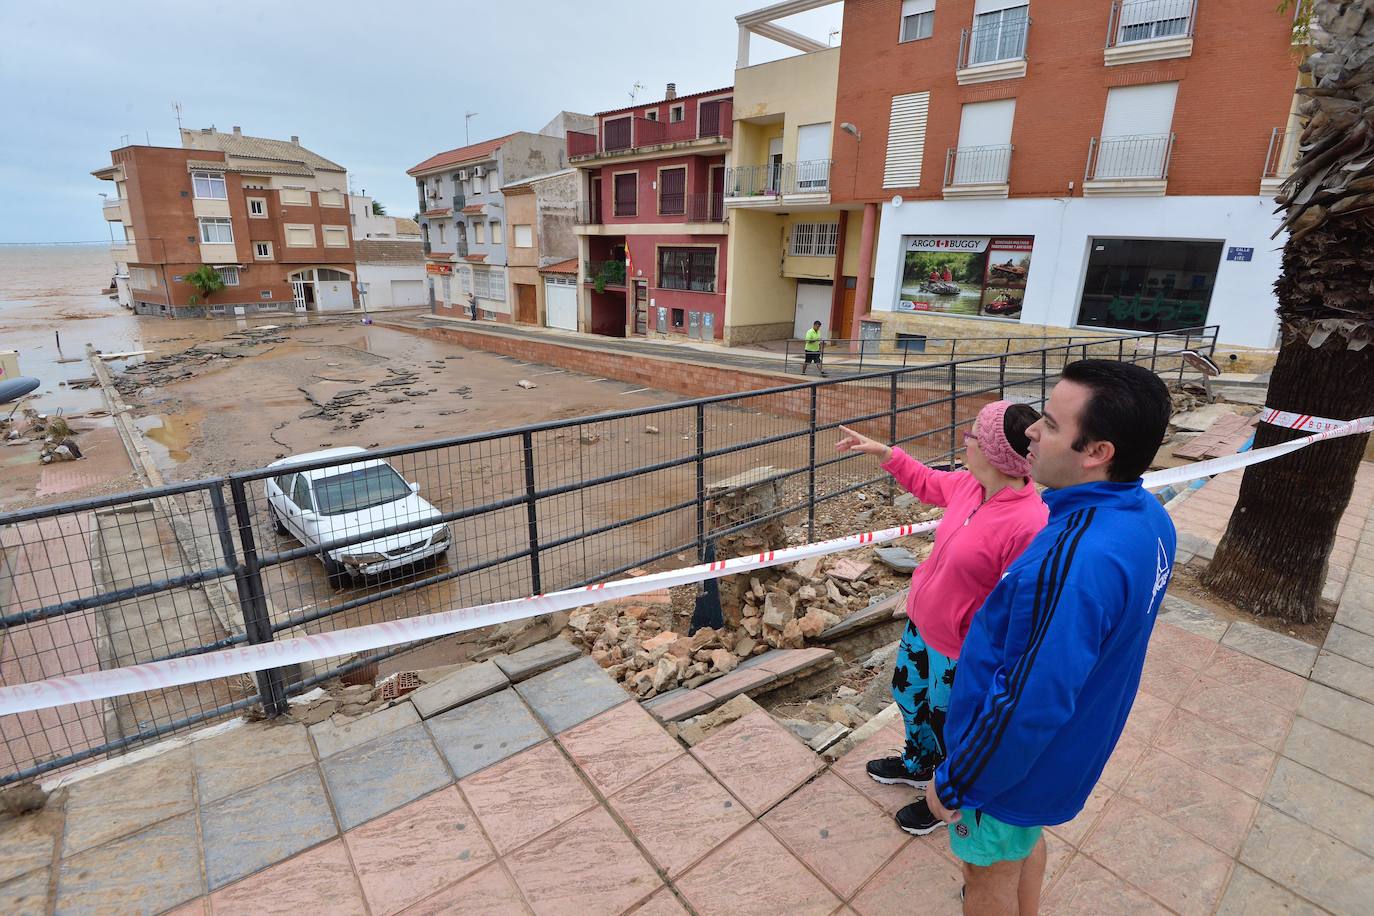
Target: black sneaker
(891,771)
(917,819)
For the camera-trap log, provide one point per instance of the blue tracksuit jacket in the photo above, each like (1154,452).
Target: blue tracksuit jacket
(1051,664)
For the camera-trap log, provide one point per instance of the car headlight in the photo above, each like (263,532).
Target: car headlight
(362,559)
(440,537)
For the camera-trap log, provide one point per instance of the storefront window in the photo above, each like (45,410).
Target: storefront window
(1148,284)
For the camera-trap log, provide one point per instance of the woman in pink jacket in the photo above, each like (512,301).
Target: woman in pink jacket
(991,513)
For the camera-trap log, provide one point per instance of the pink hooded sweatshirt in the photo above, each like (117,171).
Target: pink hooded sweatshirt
(974,545)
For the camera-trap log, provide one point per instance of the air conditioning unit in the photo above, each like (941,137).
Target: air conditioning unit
(462,174)
(479,171)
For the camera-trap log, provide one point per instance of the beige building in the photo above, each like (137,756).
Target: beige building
(541,212)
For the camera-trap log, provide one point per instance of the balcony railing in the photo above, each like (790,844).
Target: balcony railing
(1135,157)
(704,207)
(627,132)
(581,144)
(112,203)
(991,44)
(1283,152)
(602,274)
(810,177)
(969,165)
(589,213)
(1150,20)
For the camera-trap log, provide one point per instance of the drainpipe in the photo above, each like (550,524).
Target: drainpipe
(837,276)
(864,286)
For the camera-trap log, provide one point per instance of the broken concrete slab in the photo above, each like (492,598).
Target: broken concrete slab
(873,615)
(827,737)
(462,686)
(1278,650)
(536,659)
(849,569)
(332,736)
(1196,620)
(679,704)
(898,558)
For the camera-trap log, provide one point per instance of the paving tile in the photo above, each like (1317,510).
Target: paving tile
(1196,620)
(679,813)
(1127,752)
(1088,889)
(1236,709)
(1332,753)
(27,842)
(1309,863)
(25,896)
(1206,807)
(1335,710)
(484,731)
(1147,717)
(462,686)
(1159,858)
(739,681)
(758,760)
(318,881)
(1320,801)
(840,835)
(248,756)
(1164,677)
(383,774)
(917,873)
(754,875)
(536,659)
(852,769)
(1252,894)
(405,856)
(1275,648)
(332,737)
(554,875)
(127,798)
(147,872)
(570,694)
(1261,679)
(787,662)
(1356,616)
(682,704)
(619,746)
(489,892)
(664,903)
(1058,852)
(1073,832)
(1354,645)
(531,793)
(198,907)
(1185,647)
(1218,751)
(264,825)
(1341,673)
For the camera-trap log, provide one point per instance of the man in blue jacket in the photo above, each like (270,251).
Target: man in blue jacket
(1051,664)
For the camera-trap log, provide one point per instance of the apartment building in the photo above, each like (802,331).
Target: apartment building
(368,224)
(269,215)
(652,243)
(1022,175)
(541,210)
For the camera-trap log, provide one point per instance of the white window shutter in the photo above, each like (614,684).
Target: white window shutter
(906,140)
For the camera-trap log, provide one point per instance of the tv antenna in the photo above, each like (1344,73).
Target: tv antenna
(635,90)
(176,106)
(467,118)
(830,39)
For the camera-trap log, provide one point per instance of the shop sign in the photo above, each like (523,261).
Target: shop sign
(978,276)
(438,268)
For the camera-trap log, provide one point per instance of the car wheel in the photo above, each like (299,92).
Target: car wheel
(338,576)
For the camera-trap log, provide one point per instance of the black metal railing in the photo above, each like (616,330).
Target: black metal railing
(1150,20)
(1004,40)
(808,177)
(966,165)
(1135,157)
(188,568)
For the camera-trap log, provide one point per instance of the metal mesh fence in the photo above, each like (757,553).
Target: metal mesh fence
(352,537)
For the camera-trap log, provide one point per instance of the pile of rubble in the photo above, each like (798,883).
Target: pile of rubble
(57,439)
(164,370)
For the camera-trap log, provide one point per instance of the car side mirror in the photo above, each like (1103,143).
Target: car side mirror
(415,488)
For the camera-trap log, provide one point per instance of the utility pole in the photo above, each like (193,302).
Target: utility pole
(467,118)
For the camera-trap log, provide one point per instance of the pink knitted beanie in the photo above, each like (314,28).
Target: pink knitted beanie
(992,439)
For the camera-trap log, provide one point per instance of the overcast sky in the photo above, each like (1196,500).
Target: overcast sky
(374,86)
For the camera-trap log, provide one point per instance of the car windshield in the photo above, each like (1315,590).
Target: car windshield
(361,489)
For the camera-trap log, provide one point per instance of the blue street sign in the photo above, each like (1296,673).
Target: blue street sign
(1240,254)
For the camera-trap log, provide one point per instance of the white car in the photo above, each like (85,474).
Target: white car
(352,500)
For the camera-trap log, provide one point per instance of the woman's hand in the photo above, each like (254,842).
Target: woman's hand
(854,442)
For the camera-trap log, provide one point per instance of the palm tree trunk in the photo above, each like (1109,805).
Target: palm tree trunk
(1273,556)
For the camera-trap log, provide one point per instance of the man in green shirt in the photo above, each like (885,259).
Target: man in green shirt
(813,348)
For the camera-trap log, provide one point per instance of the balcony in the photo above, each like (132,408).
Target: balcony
(588,213)
(122,250)
(1279,160)
(993,52)
(788,183)
(1128,166)
(603,274)
(977,171)
(1145,30)
(115,210)
(629,134)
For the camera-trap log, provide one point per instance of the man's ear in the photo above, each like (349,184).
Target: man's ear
(1098,454)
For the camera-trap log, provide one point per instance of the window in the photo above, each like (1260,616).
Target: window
(815,239)
(479,233)
(476,185)
(264,294)
(257,207)
(676,113)
(918,19)
(626,190)
(297,197)
(441,233)
(1144,20)
(300,236)
(284,483)
(911,343)
(672,191)
(336,236)
(143,278)
(1135,132)
(229,276)
(687,268)
(651,114)
(524,236)
(493,182)
(330,198)
(300,494)
(326,273)
(984,153)
(679,318)
(489,283)
(209,186)
(1148,284)
(906,140)
(498,236)
(215,231)
(262,251)
(999,31)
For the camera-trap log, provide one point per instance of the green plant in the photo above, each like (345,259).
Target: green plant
(612,273)
(206,280)
(378,208)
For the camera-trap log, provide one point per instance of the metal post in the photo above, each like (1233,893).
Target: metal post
(953,412)
(531,512)
(892,434)
(1187,341)
(1154,354)
(811,472)
(701,473)
(1001,378)
(257,623)
(1044,377)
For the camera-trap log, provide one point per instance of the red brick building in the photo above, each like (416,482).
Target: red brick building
(269,215)
(651,219)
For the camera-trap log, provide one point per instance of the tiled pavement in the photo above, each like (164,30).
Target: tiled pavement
(1239,786)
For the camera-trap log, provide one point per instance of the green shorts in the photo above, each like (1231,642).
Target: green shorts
(981,839)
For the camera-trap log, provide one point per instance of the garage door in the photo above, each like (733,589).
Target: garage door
(813,304)
(560,302)
(333,291)
(408,292)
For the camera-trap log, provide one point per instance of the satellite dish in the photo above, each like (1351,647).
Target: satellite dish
(896,200)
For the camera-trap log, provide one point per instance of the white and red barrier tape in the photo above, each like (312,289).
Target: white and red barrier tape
(1300,421)
(100,685)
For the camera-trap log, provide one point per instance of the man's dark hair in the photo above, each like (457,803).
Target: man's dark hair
(1017,419)
(815,322)
(1129,407)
